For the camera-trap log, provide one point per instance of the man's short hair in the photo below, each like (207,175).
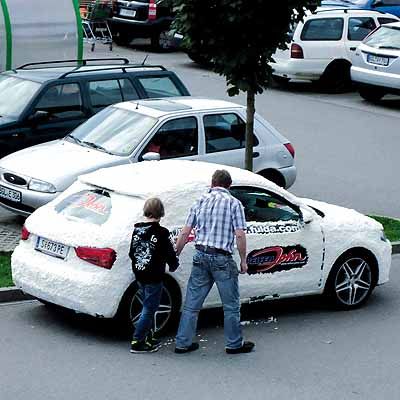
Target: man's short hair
(153,208)
(221,178)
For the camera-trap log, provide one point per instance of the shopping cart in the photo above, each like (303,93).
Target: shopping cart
(94,15)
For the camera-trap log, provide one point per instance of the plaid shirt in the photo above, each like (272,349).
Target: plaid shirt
(215,217)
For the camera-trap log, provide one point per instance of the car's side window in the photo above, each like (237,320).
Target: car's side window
(176,138)
(128,90)
(224,132)
(104,93)
(360,27)
(386,20)
(61,101)
(323,29)
(391,2)
(159,86)
(262,206)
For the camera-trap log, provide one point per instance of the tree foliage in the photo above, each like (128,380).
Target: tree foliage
(238,37)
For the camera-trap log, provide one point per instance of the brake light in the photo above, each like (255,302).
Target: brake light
(103,258)
(24,233)
(290,148)
(152,10)
(296,51)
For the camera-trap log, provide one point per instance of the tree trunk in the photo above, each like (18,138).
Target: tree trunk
(250,129)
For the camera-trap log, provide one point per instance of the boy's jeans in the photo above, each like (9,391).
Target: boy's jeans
(151,295)
(207,269)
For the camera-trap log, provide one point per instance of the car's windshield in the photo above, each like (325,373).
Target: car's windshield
(16,93)
(385,37)
(114,130)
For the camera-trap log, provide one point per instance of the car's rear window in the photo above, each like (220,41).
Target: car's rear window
(386,37)
(323,29)
(93,206)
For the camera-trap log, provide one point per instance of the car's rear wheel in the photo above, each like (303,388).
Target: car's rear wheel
(371,94)
(273,176)
(122,38)
(351,281)
(161,41)
(167,314)
(336,77)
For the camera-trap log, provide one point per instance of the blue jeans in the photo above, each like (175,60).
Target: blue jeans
(207,269)
(151,296)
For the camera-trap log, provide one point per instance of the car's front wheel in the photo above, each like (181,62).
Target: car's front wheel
(165,317)
(351,281)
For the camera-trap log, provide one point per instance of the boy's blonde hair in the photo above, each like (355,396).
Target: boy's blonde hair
(153,208)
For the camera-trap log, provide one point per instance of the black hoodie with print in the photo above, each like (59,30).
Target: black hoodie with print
(151,248)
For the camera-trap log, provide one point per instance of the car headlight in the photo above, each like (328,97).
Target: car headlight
(383,236)
(41,186)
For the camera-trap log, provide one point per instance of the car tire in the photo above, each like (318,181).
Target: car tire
(336,77)
(122,39)
(351,280)
(280,80)
(166,316)
(372,95)
(161,41)
(273,176)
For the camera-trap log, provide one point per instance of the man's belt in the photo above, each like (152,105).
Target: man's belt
(211,250)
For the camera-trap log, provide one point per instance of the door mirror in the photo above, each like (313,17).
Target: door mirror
(377,3)
(151,156)
(39,116)
(307,214)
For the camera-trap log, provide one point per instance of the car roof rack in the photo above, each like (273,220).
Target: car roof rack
(124,68)
(346,10)
(83,62)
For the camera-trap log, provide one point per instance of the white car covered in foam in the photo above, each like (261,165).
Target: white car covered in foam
(74,250)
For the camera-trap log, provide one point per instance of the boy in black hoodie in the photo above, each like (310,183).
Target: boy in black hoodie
(151,248)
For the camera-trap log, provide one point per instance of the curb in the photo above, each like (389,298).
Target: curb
(12,294)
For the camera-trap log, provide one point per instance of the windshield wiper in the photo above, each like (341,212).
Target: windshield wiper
(96,146)
(389,47)
(75,139)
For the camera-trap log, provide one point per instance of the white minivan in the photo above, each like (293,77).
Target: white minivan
(323,44)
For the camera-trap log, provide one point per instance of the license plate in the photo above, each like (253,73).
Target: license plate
(51,248)
(127,13)
(371,58)
(10,194)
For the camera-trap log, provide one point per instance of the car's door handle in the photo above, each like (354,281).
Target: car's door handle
(256,154)
(353,48)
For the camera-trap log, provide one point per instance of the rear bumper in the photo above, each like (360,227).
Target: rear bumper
(289,173)
(299,69)
(80,287)
(391,82)
(144,28)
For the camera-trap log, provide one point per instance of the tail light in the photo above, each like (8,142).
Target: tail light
(290,148)
(296,51)
(103,258)
(24,233)
(152,10)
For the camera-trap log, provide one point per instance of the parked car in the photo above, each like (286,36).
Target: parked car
(387,6)
(188,128)
(376,65)
(322,46)
(143,19)
(74,250)
(40,102)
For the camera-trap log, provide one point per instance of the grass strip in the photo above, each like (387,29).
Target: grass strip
(391,227)
(5,270)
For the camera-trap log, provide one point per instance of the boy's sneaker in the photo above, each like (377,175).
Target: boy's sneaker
(152,340)
(246,347)
(142,347)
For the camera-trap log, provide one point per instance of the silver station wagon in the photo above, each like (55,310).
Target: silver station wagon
(184,128)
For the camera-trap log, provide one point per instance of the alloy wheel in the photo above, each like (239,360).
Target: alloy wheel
(162,315)
(353,281)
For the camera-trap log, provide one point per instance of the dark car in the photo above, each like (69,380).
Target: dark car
(386,6)
(142,19)
(40,102)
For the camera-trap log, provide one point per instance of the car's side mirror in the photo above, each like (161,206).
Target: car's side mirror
(151,156)
(377,3)
(39,116)
(307,215)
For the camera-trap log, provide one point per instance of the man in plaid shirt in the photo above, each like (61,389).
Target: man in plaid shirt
(217,218)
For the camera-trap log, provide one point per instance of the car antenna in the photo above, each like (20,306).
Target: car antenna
(137,105)
(145,59)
